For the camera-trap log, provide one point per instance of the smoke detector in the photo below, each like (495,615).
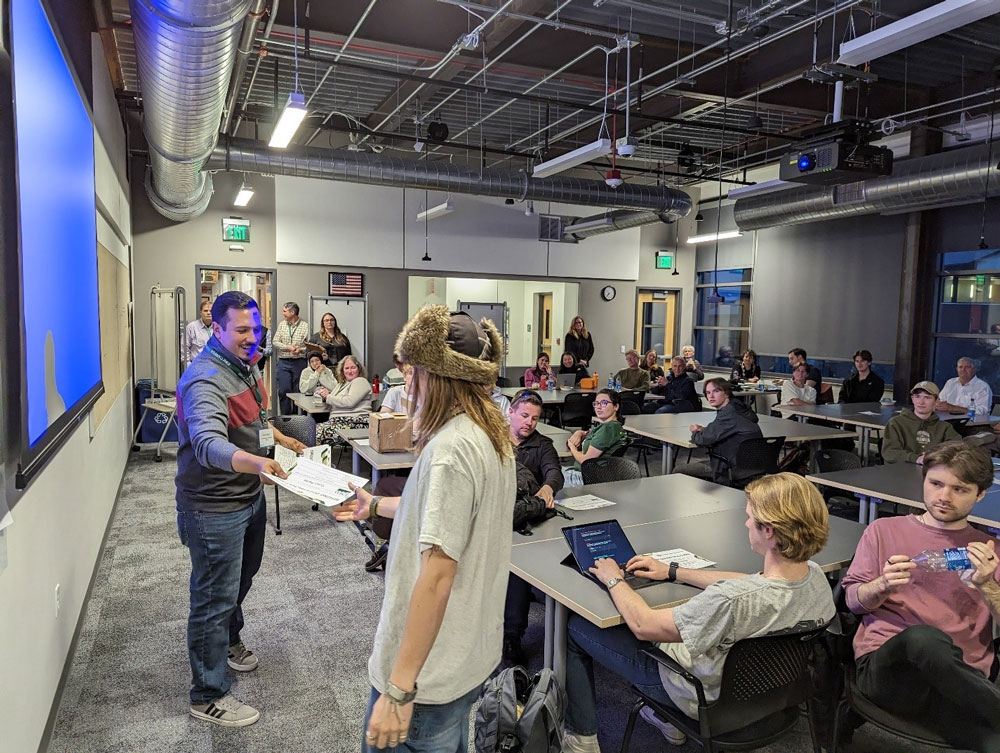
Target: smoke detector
(626,146)
(613,178)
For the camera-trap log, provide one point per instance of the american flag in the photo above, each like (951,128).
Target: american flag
(345,284)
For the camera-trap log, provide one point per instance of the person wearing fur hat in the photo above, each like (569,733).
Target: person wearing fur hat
(439,633)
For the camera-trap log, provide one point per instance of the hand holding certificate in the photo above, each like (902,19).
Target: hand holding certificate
(316,482)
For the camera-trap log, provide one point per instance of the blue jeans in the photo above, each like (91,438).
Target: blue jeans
(617,649)
(434,728)
(226,549)
(288,372)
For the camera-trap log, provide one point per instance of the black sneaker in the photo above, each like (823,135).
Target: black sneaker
(377,561)
(512,653)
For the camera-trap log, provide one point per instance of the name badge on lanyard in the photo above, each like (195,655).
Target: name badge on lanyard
(265,438)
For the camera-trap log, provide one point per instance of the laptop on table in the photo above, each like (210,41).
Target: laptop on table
(566,381)
(606,538)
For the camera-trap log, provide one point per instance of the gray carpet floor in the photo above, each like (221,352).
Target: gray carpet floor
(309,617)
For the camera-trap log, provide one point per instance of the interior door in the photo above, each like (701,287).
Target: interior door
(544,324)
(656,322)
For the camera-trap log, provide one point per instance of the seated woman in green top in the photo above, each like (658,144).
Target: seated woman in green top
(605,436)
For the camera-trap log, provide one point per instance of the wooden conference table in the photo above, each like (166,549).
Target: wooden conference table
(901,483)
(867,416)
(387,461)
(662,512)
(671,429)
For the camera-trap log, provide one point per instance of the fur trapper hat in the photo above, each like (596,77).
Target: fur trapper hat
(451,345)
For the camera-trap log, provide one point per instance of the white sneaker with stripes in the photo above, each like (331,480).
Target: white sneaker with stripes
(226,711)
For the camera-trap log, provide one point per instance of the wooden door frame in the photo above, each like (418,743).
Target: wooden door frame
(677,315)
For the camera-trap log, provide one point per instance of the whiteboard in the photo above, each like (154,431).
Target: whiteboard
(352,318)
(496,313)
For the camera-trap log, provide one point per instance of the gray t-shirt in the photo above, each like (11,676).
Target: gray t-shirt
(731,610)
(460,497)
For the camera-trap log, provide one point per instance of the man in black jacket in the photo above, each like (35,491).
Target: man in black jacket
(865,386)
(734,422)
(678,392)
(536,453)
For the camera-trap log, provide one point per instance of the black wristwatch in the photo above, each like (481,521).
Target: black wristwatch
(672,572)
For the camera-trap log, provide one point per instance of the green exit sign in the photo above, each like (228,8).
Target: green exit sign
(980,279)
(235,229)
(664,260)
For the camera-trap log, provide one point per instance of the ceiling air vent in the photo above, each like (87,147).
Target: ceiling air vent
(550,228)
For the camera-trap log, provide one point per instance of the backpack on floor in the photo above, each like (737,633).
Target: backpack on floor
(521,715)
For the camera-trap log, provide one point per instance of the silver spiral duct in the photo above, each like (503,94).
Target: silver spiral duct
(382,170)
(947,178)
(184,51)
(607,222)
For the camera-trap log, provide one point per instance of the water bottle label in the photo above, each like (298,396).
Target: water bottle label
(957,558)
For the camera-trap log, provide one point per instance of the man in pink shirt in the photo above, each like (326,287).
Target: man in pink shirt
(924,650)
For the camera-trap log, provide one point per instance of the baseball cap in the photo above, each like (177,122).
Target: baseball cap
(928,387)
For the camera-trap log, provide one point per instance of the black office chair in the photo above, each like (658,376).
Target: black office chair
(629,408)
(828,461)
(578,410)
(635,396)
(851,699)
(602,469)
(302,428)
(520,380)
(764,682)
(755,457)
(504,382)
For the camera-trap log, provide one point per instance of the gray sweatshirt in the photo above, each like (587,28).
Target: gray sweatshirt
(217,414)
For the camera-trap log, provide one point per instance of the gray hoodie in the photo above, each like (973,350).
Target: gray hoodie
(733,423)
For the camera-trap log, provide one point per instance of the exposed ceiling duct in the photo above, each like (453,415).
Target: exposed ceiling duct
(383,170)
(184,52)
(607,222)
(956,177)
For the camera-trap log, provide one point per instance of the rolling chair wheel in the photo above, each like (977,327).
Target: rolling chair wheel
(315,506)
(158,459)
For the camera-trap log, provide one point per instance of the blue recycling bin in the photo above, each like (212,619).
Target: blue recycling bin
(154,421)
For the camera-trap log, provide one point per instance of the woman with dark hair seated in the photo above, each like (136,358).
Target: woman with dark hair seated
(747,370)
(539,375)
(569,365)
(734,422)
(605,436)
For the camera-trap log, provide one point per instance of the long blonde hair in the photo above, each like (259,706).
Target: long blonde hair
(445,399)
(584,333)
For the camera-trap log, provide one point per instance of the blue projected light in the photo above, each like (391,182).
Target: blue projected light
(58,227)
(806,162)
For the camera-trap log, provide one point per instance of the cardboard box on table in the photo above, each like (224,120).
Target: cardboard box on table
(389,432)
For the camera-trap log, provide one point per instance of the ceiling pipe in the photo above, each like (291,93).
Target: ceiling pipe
(952,178)
(382,170)
(247,37)
(256,65)
(184,51)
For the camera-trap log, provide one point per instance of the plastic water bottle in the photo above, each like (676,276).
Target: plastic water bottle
(943,560)
(618,384)
(611,382)
(552,383)
(972,412)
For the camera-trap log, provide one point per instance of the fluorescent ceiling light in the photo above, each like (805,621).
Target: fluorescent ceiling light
(291,117)
(724,235)
(244,195)
(915,28)
(439,211)
(572,159)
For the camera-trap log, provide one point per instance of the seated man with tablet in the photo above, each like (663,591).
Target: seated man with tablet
(787,523)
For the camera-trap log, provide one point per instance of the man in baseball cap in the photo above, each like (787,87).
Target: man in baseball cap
(910,433)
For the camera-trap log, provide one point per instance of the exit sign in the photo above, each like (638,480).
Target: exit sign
(664,260)
(236,229)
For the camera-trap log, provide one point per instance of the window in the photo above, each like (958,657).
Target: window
(656,318)
(967,319)
(722,328)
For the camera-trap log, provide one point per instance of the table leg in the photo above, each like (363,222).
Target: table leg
(355,462)
(559,642)
(138,429)
(873,509)
(813,453)
(862,509)
(375,477)
(669,457)
(865,439)
(550,614)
